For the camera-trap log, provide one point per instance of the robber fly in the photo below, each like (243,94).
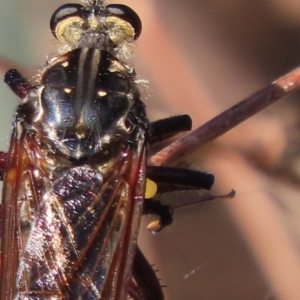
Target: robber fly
(75,178)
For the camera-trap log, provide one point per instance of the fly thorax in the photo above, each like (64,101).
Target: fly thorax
(87,100)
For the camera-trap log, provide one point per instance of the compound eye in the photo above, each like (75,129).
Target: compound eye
(125,13)
(62,16)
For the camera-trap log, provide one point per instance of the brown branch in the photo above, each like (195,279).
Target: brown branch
(230,118)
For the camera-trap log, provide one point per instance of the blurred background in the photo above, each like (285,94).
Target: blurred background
(201,57)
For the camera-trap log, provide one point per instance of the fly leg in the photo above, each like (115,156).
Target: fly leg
(170,180)
(166,128)
(17,83)
(145,284)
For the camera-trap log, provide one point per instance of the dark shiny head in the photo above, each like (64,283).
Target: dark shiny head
(95,25)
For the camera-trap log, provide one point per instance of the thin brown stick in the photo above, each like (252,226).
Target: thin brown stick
(230,118)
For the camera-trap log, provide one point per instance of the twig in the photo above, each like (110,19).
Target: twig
(230,118)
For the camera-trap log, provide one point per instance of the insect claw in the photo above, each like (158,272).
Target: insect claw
(155,226)
(232,194)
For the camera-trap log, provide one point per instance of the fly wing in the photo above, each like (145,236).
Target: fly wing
(18,205)
(71,235)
